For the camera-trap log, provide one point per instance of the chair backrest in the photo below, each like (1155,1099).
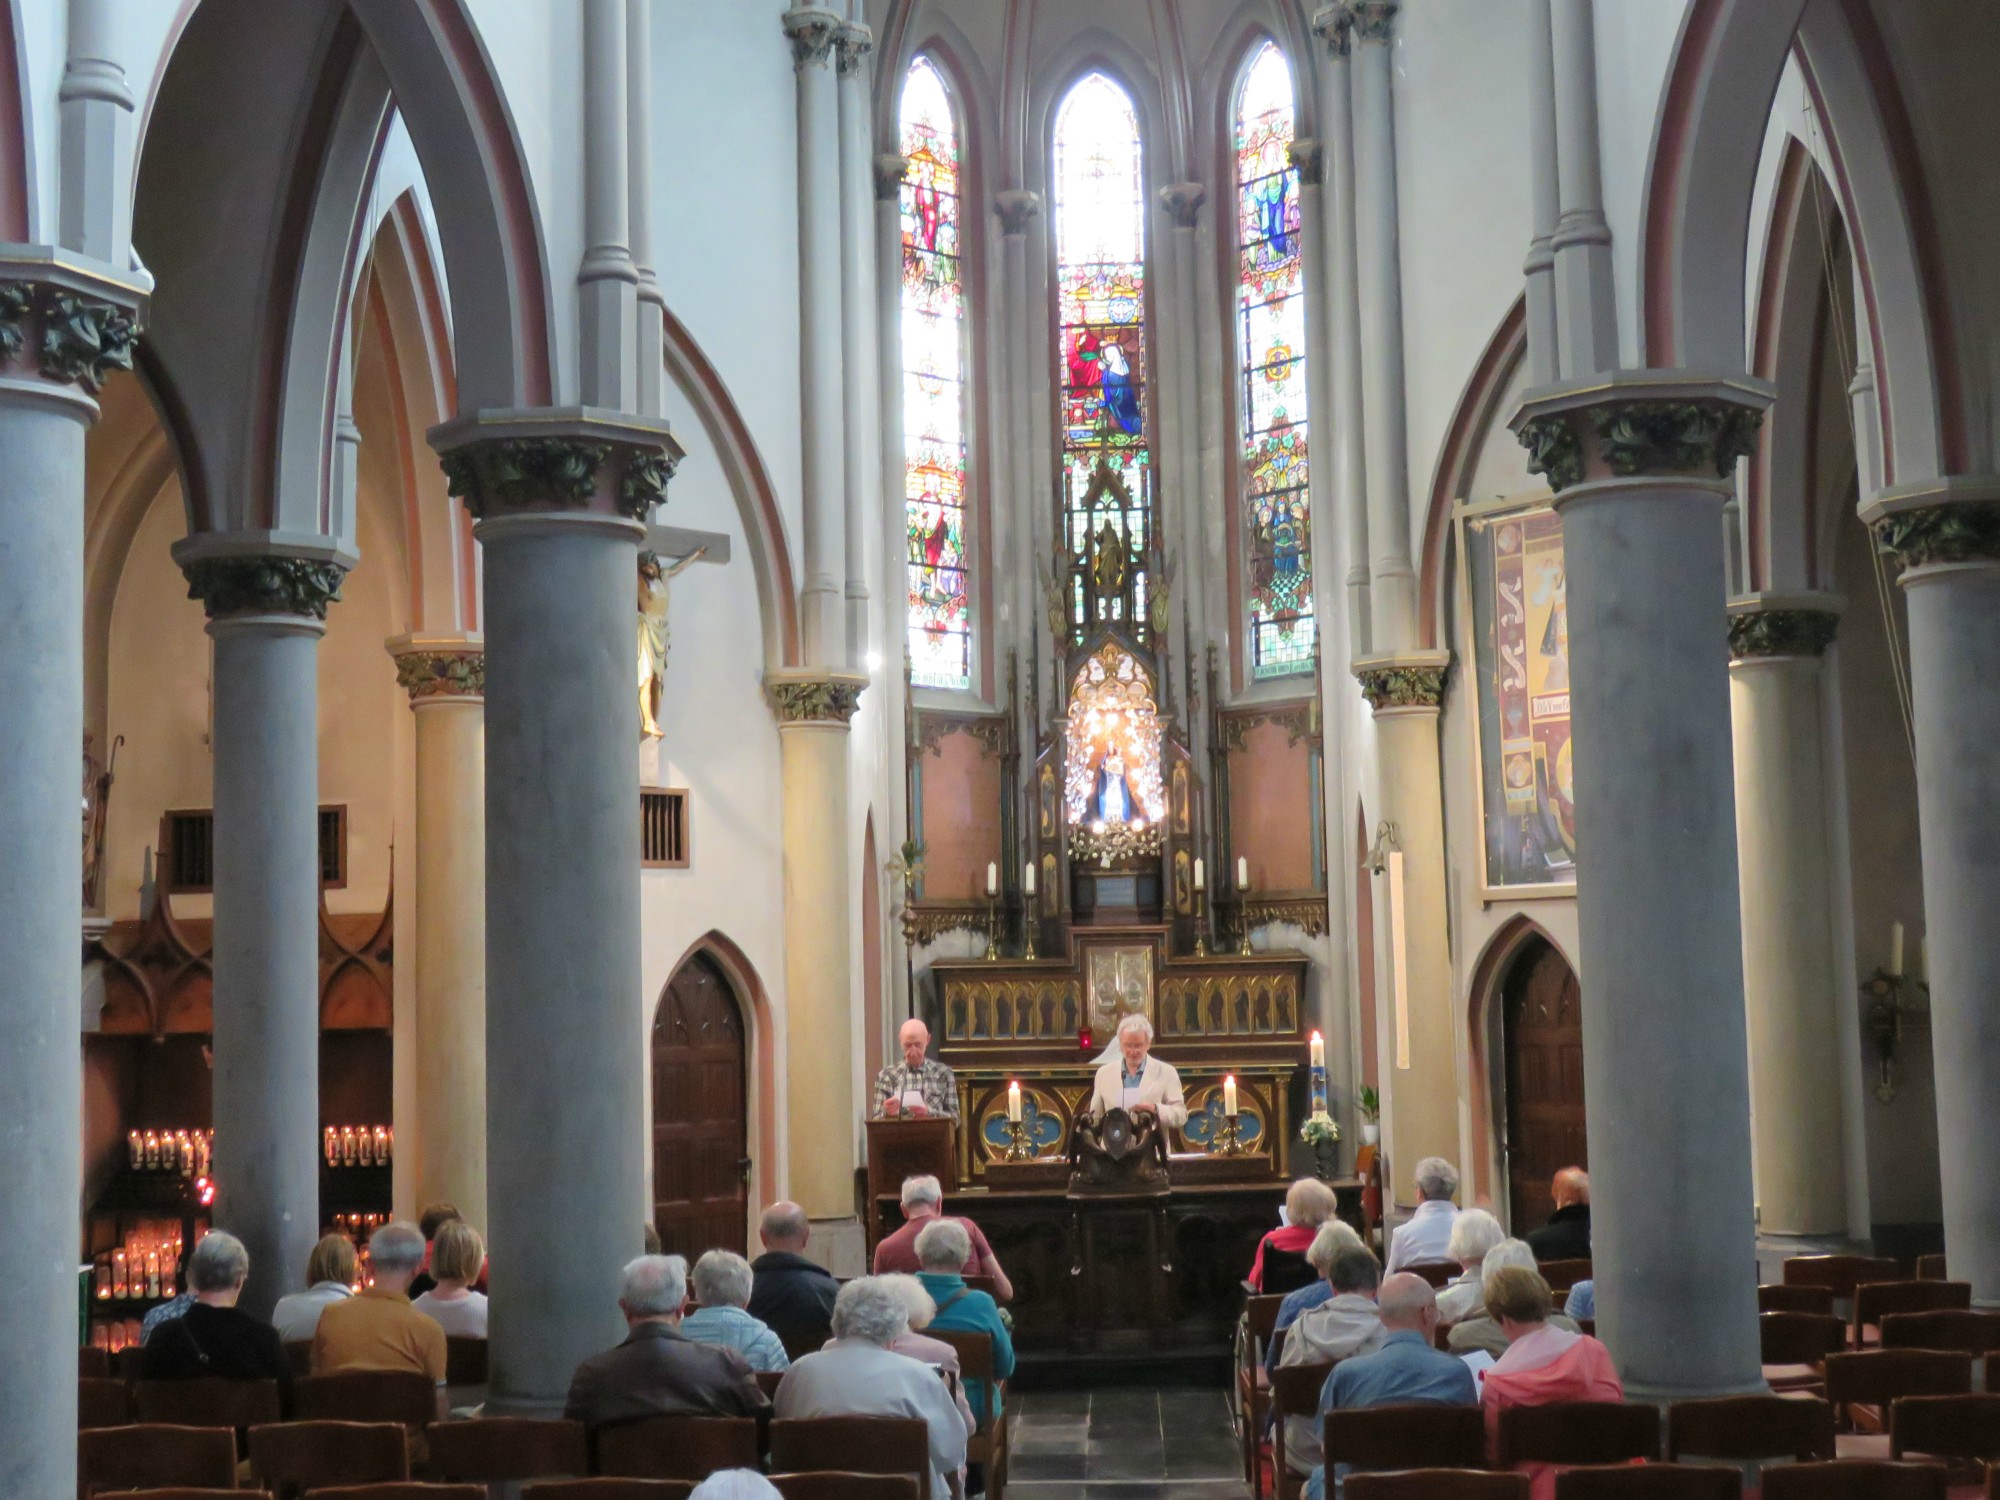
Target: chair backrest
(366,1396)
(494,1449)
(1390,1437)
(768,1381)
(1879,1376)
(143,1454)
(182,1492)
(102,1402)
(1799,1338)
(1579,1432)
(209,1401)
(93,1363)
(1777,1297)
(677,1447)
(1856,1479)
(1875,1300)
(1964,1331)
(975,1350)
(984,1284)
(1437,1484)
(404,1490)
(464,1360)
(1651,1482)
(609,1489)
(1286,1271)
(1930,1268)
(1747,1427)
(1295,1388)
(1261,1313)
(299,1353)
(1437,1272)
(129,1363)
(858,1445)
(1561,1275)
(846,1486)
(293,1456)
(1949,1426)
(1840,1274)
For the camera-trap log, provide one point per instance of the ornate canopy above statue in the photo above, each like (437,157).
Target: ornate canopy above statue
(1114,797)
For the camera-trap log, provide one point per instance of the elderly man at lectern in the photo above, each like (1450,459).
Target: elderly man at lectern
(1138,1082)
(918,1087)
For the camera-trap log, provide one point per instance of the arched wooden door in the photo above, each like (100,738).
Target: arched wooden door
(701,1163)
(1543,1017)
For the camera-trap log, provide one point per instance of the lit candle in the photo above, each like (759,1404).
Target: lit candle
(992,878)
(135,1143)
(1895,950)
(1028,878)
(381,1145)
(1242,872)
(1200,876)
(1229,1094)
(1318,1051)
(332,1147)
(1014,1102)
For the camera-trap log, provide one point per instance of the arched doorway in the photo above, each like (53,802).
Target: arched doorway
(1542,1020)
(701,1160)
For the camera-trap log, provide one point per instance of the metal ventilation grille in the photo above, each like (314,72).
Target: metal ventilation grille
(663,829)
(188,838)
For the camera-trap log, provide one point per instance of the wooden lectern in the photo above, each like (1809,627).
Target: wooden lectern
(906,1148)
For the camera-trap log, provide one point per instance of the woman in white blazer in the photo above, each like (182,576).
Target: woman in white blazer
(1138,1082)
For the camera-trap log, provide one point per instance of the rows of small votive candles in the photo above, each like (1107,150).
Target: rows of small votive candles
(142,1267)
(111,1337)
(359,1145)
(183,1151)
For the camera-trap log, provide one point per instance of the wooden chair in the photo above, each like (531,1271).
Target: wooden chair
(1437,1484)
(407,1490)
(1651,1482)
(300,1353)
(1437,1272)
(1253,1382)
(677,1447)
(609,1489)
(1561,1275)
(102,1402)
(289,1457)
(464,1360)
(1963,1331)
(1930,1268)
(179,1492)
(366,1396)
(846,1486)
(1579,1432)
(1862,1385)
(209,1401)
(767,1382)
(129,1364)
(93,1363)
(989,1443)
(1963,1428)
(493,1450)
(853,1445)
(1285,1271)
(1794,1345)
(1856,1479)
(143,1455)
(984,1284)
(799,1342)
(1392,1437)
(1741,1428)
(1876,1300)
(1839,1274)
(1294,1397)
(1777,1297)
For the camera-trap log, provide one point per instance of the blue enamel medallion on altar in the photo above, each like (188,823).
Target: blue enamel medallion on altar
(1040,1131)
(1205,1123)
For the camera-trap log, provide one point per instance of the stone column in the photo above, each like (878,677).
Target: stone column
(98,135)
(1202,528)
(860,416)
(813,710)
(445,677)
(1544,357)
(46,385)
(1019,212)
(266,614)
(560,499)
(607,282)
(1586,307)
(1792,988)
(1639,464)
(649,347)
(1946,537)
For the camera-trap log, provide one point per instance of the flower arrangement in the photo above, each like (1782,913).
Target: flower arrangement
(1319,1130)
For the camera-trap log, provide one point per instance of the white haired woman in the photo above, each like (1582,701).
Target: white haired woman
(215,1336)
(928,1350)
(1480,1330)
(1473,1233)
(1138,1082)
(722,1282)
(859,1374)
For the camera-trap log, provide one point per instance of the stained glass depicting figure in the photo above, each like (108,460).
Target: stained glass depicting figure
(934,455)
(1271,327)
(1101,355)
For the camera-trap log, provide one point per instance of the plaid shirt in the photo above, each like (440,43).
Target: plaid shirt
(932,1079)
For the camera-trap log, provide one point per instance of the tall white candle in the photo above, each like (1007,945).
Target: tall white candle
(1896,950)
(1242,872)
(1229,1094)
(1028,878)
(1318,1051)
(1200,876)
(1014,1102)
(992,878)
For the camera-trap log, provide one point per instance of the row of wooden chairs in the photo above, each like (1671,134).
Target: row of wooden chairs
(398,1396)
(1838,1480)
(465,1361)
(823,1485)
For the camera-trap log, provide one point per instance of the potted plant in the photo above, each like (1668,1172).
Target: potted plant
(1322,1133)
(1370,1104)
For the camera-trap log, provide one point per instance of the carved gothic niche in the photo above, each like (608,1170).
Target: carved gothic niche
(1112,741)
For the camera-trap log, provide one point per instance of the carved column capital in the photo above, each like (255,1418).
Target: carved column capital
(65,323)
(263,584)
(814,697)
(813,33)
(1641,422)
(1766,625)
(1183,201)
(851,44)
(1374,20)
(891,167)
(1334,24)
(1410,680)
(439,669)
(1017,208)
(1953,531)
(574,458)
(1307,159)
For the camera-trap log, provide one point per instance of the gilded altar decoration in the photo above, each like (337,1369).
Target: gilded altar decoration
(1120,985)
(1042,1126)
(1206,1129)
(1112,747)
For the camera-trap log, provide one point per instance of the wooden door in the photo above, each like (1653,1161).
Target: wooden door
(701,1164)
(1543,1017)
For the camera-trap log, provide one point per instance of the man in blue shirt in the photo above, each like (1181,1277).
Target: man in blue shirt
(1405,1369)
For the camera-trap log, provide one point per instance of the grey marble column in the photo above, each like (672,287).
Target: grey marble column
(1639,475)
(45,407)
(266,615)
(607,281)
(1544,354)
(1950,556)
(859,382)
(560,500)
(1586,305)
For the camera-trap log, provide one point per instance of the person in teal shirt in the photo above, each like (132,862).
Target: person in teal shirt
(942,1250)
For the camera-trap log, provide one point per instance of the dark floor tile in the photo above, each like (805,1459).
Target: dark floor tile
(1047,1440)
(1029,1467)
(1039,1490)
(1125,1461)
(1055,1403)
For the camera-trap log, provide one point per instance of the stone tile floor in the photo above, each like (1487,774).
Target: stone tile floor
(1124,1445)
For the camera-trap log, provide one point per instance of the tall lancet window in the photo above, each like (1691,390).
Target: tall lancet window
(1271,324)
(940,621)
(1100,246)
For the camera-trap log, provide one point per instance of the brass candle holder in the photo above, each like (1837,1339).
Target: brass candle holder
(1018,1148)
(1028,926)
(1201,924)
(992,931)
(1228,1137)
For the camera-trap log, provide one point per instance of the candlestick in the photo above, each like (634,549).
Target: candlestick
(1018,1148)
(1228,1138)
(1028,878)
(1200,916)
(992,878)
(1229,1094)
(1318,1051)
(1014,1101)
(1895,950)
(992,920)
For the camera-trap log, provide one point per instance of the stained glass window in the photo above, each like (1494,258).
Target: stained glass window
(1271,320)
(1100,235)
(940,623)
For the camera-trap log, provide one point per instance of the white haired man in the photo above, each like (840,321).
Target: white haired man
(377,1328)
(658,1371)
(1138,1082)
(722,1283)
(1344,1325)
(791,1295)
(859,1375)
(918,1087)
(1426,1238)
(1473,1233)
(215,1336)
(923,1202)
(1479,1330)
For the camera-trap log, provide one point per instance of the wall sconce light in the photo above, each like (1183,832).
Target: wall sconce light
(1884,992)
(1386,858)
